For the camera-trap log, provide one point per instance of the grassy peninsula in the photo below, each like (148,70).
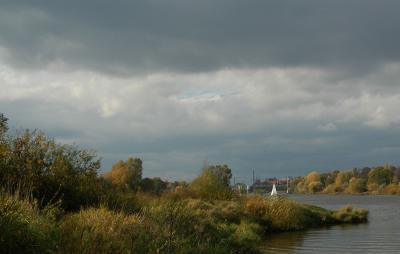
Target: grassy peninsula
(166,224)
(53,200)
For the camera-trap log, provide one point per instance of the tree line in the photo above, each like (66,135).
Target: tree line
(32,163)
(375,180)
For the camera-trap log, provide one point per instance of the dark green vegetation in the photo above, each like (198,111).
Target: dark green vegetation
(377,180)
(52,200)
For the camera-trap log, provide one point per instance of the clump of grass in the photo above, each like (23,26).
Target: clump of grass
(241,237)
(283,214)
(24,228)
(99,231)
(255,209)
(287,215)
(348,214)
(198,226)
(165,226)
(247,234)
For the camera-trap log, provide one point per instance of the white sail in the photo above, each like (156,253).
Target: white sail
(274,192)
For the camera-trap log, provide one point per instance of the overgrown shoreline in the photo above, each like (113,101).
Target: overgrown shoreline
(167,224)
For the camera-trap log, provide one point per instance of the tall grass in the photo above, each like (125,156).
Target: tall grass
(167,224)
(24,228)
(99,231)
(282,214)
(348,214)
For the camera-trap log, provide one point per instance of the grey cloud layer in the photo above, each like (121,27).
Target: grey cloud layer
(277,121)
(144,36)
(282,87)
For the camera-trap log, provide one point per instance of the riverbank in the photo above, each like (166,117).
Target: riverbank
(168,224)
(379,235)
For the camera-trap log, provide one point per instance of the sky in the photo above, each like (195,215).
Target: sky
(278,87)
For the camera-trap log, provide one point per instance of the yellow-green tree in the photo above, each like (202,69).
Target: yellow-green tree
(313,182)
(36,165)
(3,125)
(210,185)
(3,143)
(313,177)
(342,180)
(126,174)
(379,176)
(357,185)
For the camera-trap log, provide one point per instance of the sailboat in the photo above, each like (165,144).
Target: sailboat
(274,192)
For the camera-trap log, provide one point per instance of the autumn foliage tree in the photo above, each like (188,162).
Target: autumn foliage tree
(36,165)
(313,182)
(3,125)
(126,174)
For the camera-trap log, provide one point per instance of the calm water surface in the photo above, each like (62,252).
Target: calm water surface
(380,235)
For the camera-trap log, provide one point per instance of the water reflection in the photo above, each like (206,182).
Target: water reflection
(284,242)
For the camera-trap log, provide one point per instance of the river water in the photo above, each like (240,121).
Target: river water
(380,235)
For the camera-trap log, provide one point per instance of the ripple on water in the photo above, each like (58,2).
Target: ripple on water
(380,235)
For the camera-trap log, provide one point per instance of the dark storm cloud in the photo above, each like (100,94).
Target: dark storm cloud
(180,35)
(212,91)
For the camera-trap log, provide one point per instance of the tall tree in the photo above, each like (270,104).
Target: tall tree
(222,172)
(126,174)
(154,185)
(3,125)
(313,177)
(342,179)
(380,176)
(211,184)
(364,173)
(357,185)
(36,165)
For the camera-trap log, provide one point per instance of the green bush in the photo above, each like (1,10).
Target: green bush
(209,186)
(247,235)
(24,228)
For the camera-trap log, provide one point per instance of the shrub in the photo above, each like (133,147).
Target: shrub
(348,214)
(99,231)
(209,186)
(245,236)
(255,208)
(24,228)
(237,238)
(49,171)
(117,200)
(174,226)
